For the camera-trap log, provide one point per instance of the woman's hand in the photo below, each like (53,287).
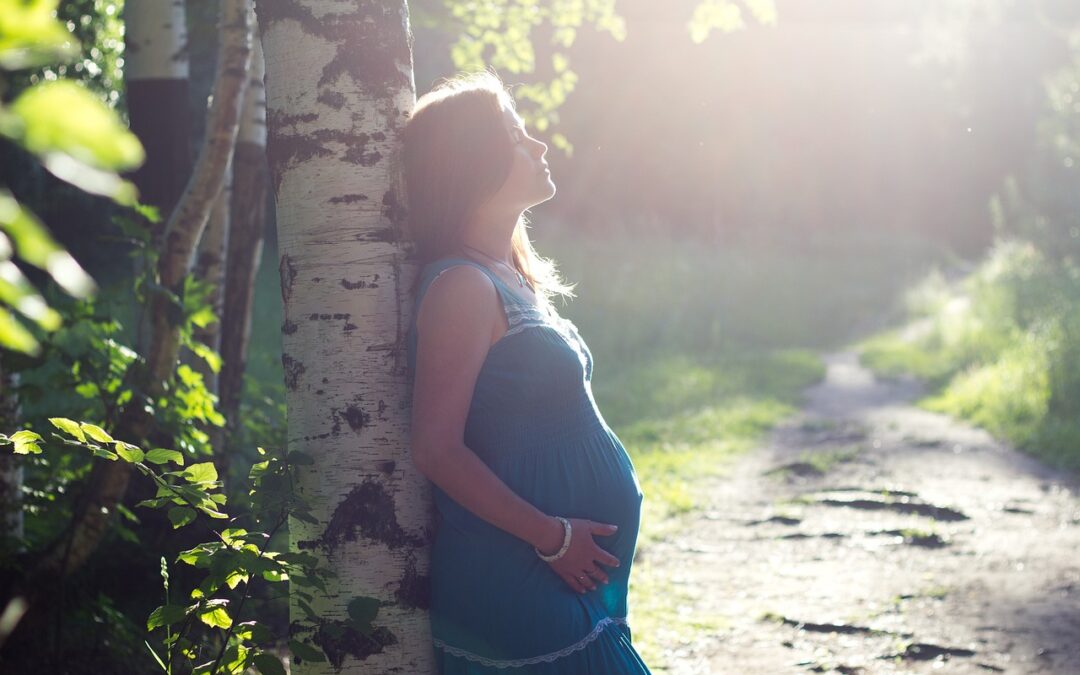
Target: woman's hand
(579,566)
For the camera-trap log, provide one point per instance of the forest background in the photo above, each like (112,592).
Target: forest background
(730,204)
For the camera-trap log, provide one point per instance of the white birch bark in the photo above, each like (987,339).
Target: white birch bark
(155,37)
(210,266)
(246,227)
(339,86)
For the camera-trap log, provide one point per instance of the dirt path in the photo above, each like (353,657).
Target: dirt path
(868,536)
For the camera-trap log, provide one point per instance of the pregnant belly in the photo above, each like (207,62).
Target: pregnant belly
(591,478)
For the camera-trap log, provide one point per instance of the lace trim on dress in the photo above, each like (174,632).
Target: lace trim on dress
(520,316)
(545,658)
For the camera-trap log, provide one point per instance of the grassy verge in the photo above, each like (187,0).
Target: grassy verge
(1001,349)
(683,419)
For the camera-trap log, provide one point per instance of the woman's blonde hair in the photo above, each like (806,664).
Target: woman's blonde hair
(456,155)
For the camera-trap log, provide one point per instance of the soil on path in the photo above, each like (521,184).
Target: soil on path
(868,536)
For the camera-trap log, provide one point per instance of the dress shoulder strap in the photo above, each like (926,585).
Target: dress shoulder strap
(513,307)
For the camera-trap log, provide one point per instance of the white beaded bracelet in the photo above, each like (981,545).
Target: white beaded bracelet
(565,544)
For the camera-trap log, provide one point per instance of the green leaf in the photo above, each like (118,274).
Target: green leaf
(201,473)
(157,658)
(203,317)
(161,456)
(268,664)
(166,615)
(363,610)
(37,247)
(14,335)
(105,454)
(69,427)
(215,615)
(181,515)
(258,469)
(131,453)
(252,631)
(95,432)
(17,292)
(31,36)
(26,442)
(203,351)
(306,652)
(62,117)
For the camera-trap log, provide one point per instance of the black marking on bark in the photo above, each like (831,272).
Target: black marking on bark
(349,199)
(393,209)
(370,510)
(317,437)
(414,591)
(316,280)
(350,327)
(358,152)
(320,392)
(382,409)
(368,50)
(342,316)
(353,285)
(287,272)
(325,381)
(357,418)
(293,370)
(373,47)
(387,235)
(288,328)
(387,466)
(286,120)
(334,99)
(341,638)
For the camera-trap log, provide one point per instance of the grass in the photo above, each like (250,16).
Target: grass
(1000,348)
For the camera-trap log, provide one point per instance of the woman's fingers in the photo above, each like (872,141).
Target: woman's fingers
(574,583)
(603,529)
(598,574)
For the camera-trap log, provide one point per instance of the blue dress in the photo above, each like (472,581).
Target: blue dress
(495,606)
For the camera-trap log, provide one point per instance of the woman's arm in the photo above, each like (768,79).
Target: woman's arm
(459,316)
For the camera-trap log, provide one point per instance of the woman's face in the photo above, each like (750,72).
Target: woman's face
(529,181)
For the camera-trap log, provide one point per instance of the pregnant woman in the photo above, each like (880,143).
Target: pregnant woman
(538,501)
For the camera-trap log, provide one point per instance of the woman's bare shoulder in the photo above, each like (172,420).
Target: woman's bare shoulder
(459,294)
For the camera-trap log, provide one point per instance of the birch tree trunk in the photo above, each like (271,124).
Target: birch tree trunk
(156,74)
(247,223)
(339,87)
(210,266)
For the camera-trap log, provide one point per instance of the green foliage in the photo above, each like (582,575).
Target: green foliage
(30,35)
(499,33)
(76,137)
(727,16)
(230,561)
(1001,348)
